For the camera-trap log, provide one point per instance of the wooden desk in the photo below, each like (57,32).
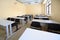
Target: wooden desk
(41,17)
(6,23)
(46,21)
(21,19)
(32,34)
(43,23)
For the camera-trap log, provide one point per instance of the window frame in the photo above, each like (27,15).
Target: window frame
(48,8)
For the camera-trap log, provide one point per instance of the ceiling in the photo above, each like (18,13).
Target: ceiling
(30,1)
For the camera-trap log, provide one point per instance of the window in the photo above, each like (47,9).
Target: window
(48,8)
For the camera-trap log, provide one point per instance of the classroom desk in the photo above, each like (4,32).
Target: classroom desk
(46,21)
(5,23)
(40,17)
(27,18)
(21,19)
(32,34)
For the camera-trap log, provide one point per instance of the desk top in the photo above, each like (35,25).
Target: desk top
(18,17)
(46,21)
(41,17)
(32,34)
(5,22)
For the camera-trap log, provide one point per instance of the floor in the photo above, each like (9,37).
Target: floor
(2,34)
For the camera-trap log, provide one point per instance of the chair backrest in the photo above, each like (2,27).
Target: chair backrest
(55,27)
(36,18)
(12,19)
(26,18)
(18,16)
(35,24)
(45,18)
(42,18)
(17,20)
(8,18)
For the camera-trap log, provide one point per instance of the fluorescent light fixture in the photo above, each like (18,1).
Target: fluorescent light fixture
(30,1)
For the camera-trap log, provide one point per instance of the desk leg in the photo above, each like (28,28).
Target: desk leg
(28,18)
(23,22)
(10,29)
(7,31)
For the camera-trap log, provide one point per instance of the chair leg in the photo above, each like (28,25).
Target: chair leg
(16,27)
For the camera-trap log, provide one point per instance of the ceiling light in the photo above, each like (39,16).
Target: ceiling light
(30,1)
